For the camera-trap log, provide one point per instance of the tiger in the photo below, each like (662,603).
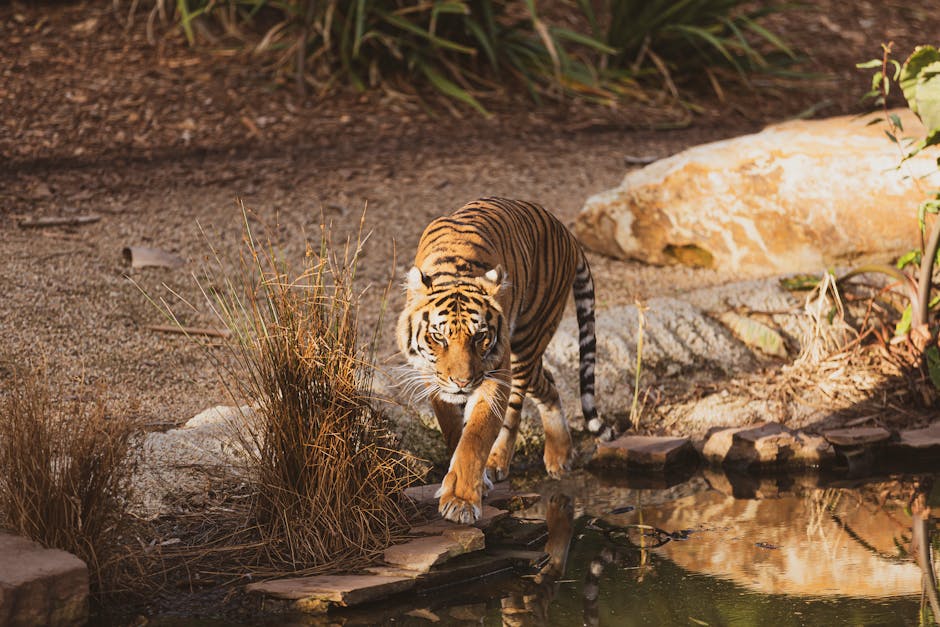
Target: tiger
(485,296)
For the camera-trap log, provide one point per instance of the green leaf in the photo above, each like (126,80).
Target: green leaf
(484,42)
(896,120)
(800,282)
(407,26)
(903,327)
(449,88)
(869,64)
(933,138)
(932,355)
(920,83)
(359,25)
(911,257)
(755,334)
(770,37)
(584,40)
(456,8)
(897,68)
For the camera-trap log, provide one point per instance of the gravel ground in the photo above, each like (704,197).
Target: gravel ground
(161,142)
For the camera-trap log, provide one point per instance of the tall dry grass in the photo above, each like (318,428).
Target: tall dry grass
(65,470)
(326,479)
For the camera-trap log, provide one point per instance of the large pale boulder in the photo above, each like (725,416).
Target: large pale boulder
(797,196)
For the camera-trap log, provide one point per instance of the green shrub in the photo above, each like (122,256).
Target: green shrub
(471,49)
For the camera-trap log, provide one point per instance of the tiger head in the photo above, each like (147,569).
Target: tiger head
(453,331)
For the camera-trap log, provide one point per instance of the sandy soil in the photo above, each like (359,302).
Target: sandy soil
(161,141)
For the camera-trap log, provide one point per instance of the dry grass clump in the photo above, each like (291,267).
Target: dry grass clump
(326,480)
(65,470)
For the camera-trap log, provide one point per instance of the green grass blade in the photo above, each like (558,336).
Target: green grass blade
(449,88)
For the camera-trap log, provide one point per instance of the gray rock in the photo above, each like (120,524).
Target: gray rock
(40,586)
(211,448)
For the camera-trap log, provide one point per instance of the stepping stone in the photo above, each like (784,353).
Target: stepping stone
(490,516)
(423,494)
(319,592)
(856,436)
(921,439)
(857,445)
(421,554)
(644,451)
(40,586)
(766,444)
(470,538)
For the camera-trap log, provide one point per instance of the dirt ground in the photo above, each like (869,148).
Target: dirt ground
(160,141)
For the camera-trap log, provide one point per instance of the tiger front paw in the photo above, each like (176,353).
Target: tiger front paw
(460,503)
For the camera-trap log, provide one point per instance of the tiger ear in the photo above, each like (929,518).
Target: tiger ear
(493,279)
(417,280)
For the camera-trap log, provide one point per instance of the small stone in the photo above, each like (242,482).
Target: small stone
(646,451)
(319,591)
(856,436)
(921,438)
(766,444)
(40,586)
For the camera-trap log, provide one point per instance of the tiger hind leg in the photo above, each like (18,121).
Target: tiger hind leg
(558,448)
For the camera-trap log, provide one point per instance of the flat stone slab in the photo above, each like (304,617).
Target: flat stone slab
(766,444)
(920,439)
(423,493)
(856,436)
(644,451)
(40,586)
(421,554)
(323,590)
(470,538)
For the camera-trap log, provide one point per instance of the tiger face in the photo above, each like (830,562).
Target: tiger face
(453,331)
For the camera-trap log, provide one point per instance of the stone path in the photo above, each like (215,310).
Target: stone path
(442,552)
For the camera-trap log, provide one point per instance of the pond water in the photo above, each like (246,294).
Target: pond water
(707,549)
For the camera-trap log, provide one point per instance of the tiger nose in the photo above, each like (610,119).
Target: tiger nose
(461,383)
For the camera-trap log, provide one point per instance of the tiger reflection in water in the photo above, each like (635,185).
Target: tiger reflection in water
(531,608)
